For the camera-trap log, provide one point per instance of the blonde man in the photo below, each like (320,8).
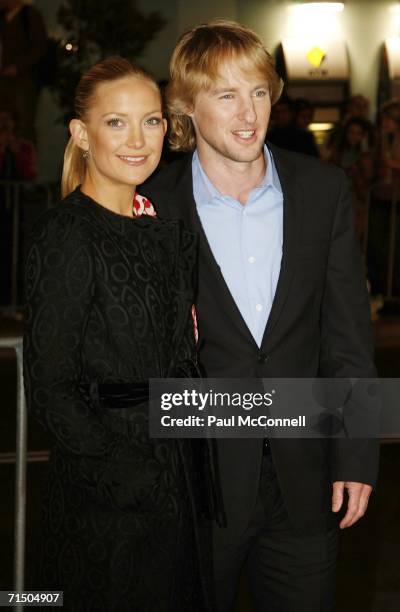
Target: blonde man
(281,294)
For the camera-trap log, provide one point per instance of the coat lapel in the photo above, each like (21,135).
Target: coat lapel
(292,202)
(181,199)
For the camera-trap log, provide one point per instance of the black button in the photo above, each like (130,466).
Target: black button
(262,358)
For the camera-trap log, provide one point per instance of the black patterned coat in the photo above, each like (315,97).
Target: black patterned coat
(109,301)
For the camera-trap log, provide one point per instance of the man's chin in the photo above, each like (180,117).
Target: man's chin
(246,156)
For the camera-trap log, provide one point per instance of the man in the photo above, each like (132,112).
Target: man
(287,130)
(281,294)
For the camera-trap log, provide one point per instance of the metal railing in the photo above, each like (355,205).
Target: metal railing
(20,467)
(21,457)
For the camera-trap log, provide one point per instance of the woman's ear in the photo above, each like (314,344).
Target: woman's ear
(79,134)
(165,124)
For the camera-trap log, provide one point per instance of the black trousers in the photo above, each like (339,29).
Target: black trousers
(288,571)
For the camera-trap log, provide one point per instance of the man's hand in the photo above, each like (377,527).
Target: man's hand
(358,494)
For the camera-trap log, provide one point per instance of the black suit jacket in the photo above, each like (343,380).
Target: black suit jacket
(319,325)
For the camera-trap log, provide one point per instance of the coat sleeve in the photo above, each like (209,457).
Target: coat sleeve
(59,291)
(347,342)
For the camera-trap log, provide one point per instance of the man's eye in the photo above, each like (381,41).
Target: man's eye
(153,121)
(261,93)
(114,122)
(227,96)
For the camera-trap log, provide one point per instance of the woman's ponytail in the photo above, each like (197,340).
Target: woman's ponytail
(74,168)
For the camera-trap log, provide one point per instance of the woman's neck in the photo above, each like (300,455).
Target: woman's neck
(116,197)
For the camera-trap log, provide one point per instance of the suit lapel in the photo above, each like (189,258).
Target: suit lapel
(184,200)
(180,198)
(292,202)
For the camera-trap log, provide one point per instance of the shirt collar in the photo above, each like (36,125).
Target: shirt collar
(205,191)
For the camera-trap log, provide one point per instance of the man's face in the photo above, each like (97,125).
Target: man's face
(231,119)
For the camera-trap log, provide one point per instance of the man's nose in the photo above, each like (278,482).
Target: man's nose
(247,110)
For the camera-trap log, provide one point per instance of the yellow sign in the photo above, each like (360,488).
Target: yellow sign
(316,56)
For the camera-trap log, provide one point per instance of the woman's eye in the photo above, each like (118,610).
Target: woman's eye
(261,93)
(153,121)
(114,122)
(227,96)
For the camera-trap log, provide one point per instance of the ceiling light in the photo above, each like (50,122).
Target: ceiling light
(333,7)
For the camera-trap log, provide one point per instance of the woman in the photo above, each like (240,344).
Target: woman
(109,306)
(353,154)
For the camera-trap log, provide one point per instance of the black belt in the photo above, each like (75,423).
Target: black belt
(119,395)
(126,395)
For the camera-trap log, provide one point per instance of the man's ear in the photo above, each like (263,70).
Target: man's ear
(79,134)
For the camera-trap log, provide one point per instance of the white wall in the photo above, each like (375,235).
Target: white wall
(364,23)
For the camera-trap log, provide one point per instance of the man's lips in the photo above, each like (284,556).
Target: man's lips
(133,160)
(245,135)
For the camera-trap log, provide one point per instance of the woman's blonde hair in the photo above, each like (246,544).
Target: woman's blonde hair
(110,69)
(196,63)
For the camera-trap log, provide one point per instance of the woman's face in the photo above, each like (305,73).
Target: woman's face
(124,131)
(389,125)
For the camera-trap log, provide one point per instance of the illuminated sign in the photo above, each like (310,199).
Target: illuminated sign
(327,61)
(316,56)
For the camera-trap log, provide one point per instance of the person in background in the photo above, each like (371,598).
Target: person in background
(382,255)
(23,41)
(18,158)
(353,154)
(356,107)
(287,133)
(18,162)
(303,113)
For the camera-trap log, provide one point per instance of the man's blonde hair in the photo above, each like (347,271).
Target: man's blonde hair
(196,64)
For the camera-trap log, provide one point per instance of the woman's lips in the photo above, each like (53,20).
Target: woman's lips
(133,160)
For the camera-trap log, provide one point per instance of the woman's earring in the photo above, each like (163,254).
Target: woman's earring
(86,155)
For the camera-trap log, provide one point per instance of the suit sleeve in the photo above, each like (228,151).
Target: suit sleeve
(347,342)
(59,290)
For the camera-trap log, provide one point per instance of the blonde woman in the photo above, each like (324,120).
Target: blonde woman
(109,301)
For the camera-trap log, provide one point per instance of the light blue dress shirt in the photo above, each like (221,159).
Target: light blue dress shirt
(246,240)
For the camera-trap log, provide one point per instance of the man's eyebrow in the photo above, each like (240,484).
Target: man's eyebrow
(227,87)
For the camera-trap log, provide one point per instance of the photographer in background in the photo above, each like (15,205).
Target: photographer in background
(17,163)
(23,42)
(17,155)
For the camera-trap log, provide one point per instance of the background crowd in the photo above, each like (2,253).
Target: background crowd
(369,152)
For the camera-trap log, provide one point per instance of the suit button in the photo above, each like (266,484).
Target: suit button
(262,358)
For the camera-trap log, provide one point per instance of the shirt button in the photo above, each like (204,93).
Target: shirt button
(259,307)
(251,259)
(262,358)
